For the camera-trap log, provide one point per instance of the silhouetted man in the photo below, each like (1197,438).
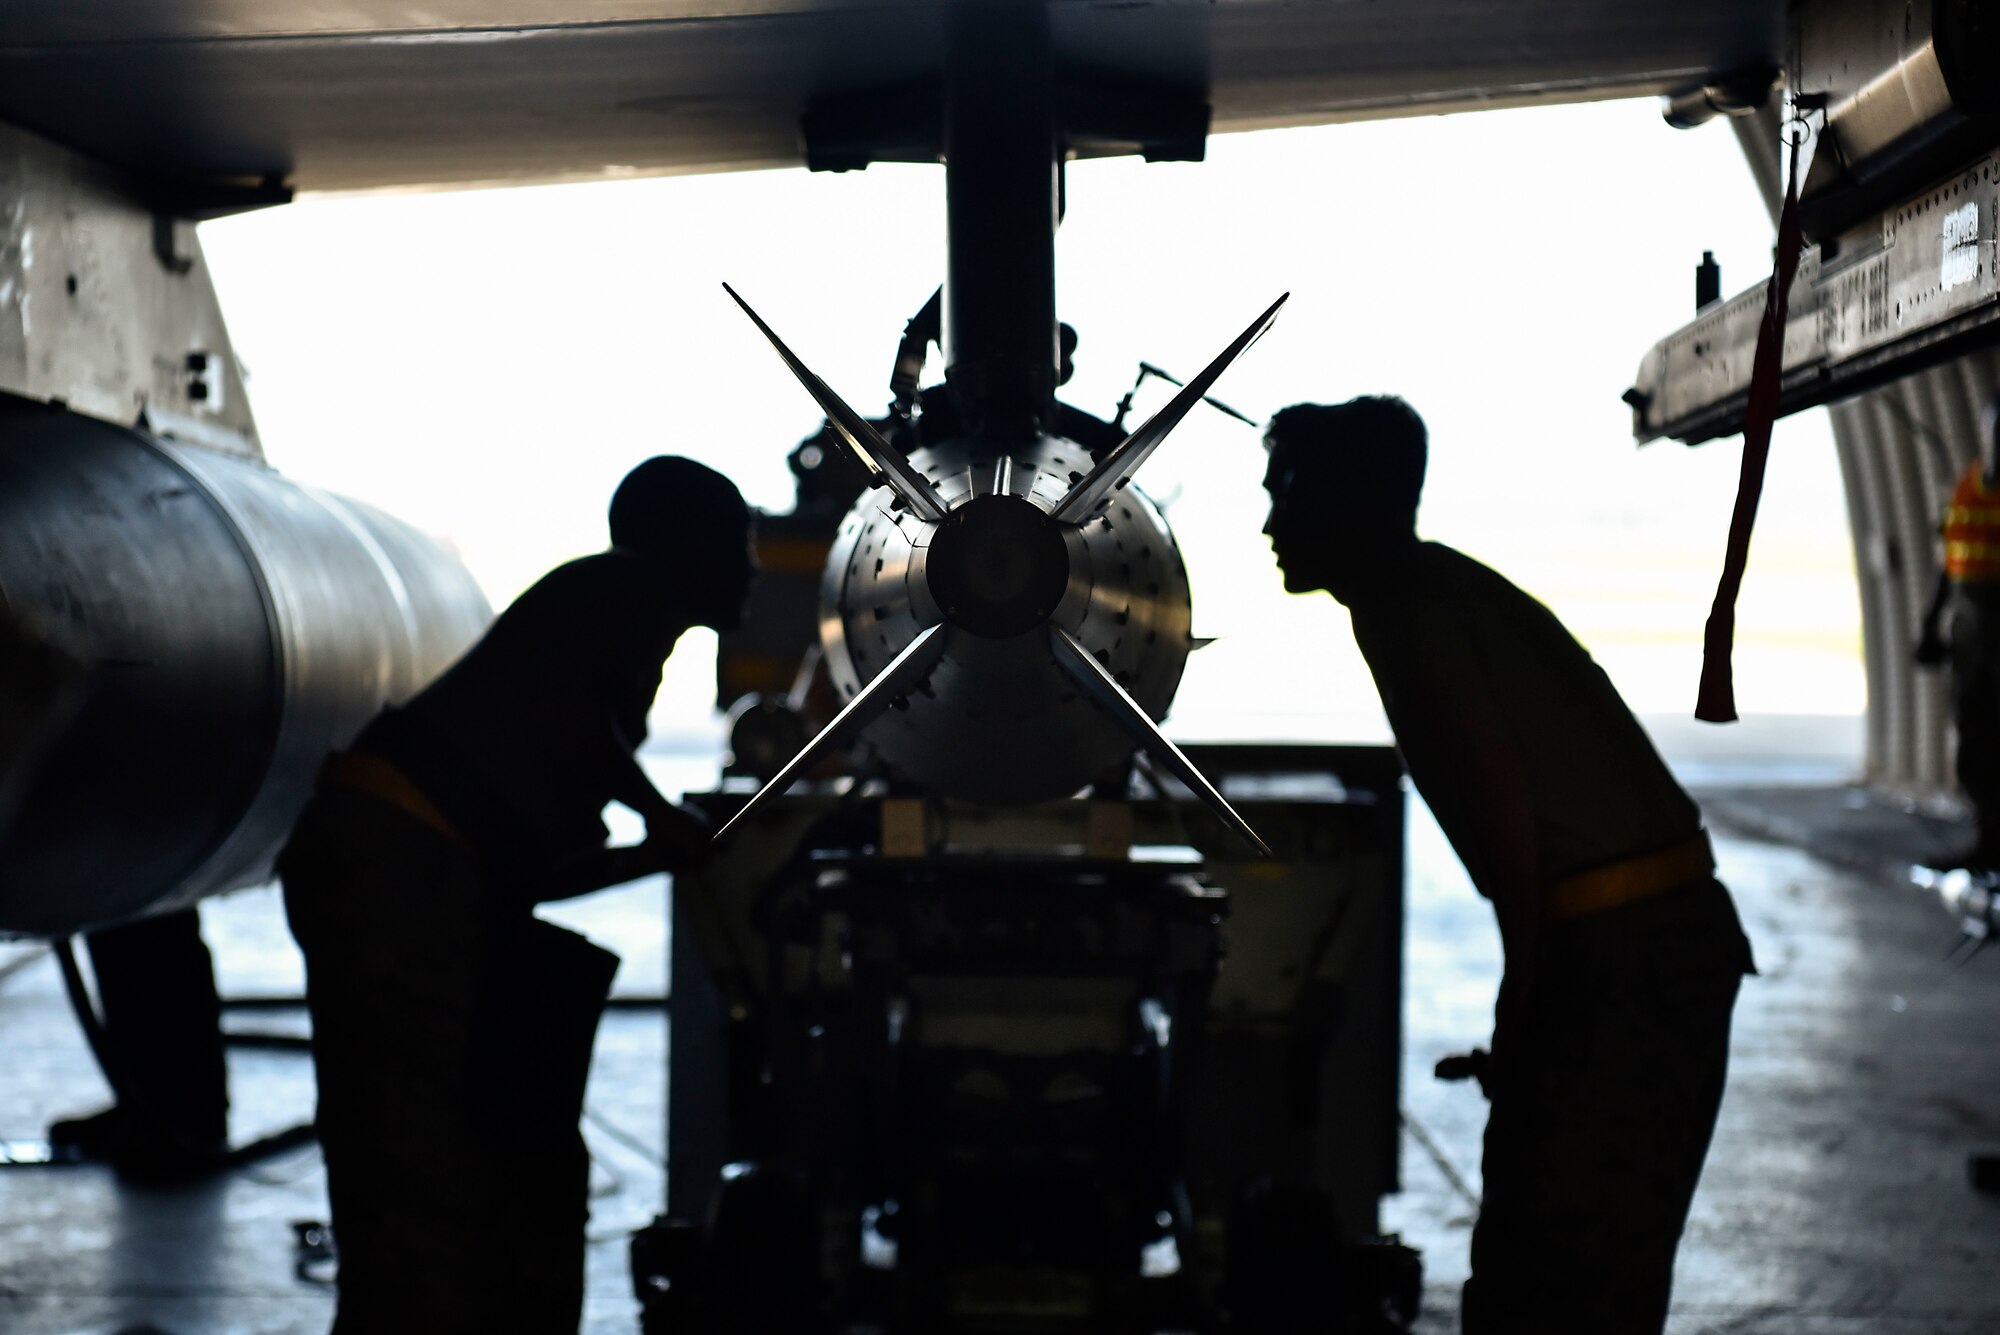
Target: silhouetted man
(1969,587)
(1623,952)
(163,1050)
(452,1028)
(155,980)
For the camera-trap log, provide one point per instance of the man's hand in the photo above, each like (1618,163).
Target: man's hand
(677,837)
(1932,648)
(1474,1065)
(674,842)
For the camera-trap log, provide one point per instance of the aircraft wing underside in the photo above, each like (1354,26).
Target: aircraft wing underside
(343,95)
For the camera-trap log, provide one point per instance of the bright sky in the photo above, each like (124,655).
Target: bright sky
(487,365)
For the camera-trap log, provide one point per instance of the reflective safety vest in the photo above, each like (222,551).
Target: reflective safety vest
(1972,530)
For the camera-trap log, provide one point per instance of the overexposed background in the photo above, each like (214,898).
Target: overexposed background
(488,364)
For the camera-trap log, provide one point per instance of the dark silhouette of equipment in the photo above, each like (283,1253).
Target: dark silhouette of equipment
(1147,369)
(1707,281)
(956,1048)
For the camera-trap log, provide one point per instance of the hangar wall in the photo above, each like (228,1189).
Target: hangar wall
(1901,448)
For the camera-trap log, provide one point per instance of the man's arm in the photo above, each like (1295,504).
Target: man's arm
(677,837)
(599,869)
(603,868)
(681,831)
(626,779)
(1932,650)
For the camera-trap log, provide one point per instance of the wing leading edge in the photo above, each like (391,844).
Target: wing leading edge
(378,94)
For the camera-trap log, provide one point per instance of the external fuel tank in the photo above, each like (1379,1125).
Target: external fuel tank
(232,627)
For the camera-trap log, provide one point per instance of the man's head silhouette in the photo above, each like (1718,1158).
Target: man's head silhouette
(1989,441)
(1344,481)
(693,520)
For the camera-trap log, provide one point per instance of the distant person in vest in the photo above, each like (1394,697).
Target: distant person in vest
(1969,588)
(1623,952)
(452,1028)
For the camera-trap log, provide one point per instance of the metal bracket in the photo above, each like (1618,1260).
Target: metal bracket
(1097,114)
(1899,292)
(125,321)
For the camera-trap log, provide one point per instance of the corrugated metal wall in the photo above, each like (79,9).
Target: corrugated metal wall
(1901,448)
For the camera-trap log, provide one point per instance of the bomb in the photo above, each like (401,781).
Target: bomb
(1004,618)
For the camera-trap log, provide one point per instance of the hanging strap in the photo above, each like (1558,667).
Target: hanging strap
(1716,700)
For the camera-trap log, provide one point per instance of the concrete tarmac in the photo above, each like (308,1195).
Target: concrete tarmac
(1836,1200)
(81,1254)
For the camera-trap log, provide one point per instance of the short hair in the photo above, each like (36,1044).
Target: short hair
(1065,353)
(1372,449)
(673,505)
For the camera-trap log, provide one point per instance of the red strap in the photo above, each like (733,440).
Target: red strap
(1716,700)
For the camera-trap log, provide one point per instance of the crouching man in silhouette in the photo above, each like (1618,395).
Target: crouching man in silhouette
(452,1029)
(1623,952)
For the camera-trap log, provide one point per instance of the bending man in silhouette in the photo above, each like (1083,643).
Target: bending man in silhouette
(1623,953)
(1969,588)
(452,1028)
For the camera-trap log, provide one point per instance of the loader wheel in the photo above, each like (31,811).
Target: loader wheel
(1385,1283)
(761,1272)
(665,1257)
(1285,1272)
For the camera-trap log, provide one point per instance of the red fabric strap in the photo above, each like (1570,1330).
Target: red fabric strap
(1716,700)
